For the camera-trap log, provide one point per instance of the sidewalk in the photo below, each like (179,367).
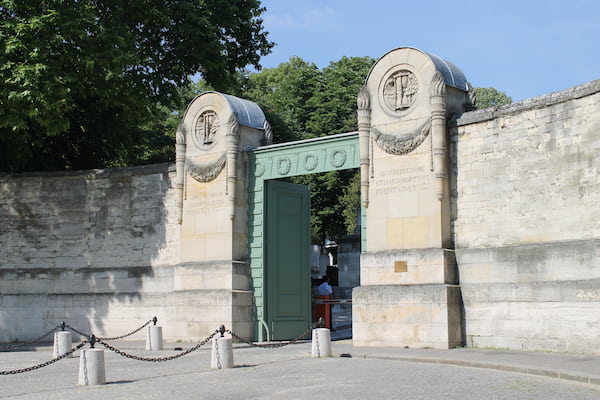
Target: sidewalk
(572,367)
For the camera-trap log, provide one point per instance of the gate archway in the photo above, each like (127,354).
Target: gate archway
(283,305)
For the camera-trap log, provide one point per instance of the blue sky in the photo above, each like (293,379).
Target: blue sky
(525,48)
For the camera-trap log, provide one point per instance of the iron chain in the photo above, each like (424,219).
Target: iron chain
(45,364)
(77,331)
(156,359)
(21,344)
(270,345)
(127,334)
(217,355)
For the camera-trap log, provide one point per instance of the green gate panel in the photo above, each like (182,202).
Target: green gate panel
(266,164)
(287,281)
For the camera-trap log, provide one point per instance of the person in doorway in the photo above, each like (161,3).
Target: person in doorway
(325,292)
(325,289)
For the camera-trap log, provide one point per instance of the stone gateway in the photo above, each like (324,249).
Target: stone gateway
(479,228)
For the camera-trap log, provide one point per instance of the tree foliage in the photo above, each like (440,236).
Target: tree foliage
(302,102)
(490,97)
(82,81)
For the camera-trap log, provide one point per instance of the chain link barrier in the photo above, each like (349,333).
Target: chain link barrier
(272,345)
(21,344)
(45,364)
(103,341)
(77,331)
(156,359)
(64,326)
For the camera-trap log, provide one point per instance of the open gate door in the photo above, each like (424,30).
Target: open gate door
(287,269)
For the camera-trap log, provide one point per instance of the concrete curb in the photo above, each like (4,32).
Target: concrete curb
(589,380)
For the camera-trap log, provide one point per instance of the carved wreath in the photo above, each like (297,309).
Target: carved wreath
(206,172)
(404,144)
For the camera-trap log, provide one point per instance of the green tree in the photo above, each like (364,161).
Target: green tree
(490,97)
(303,102)
(81,81)
(284,94)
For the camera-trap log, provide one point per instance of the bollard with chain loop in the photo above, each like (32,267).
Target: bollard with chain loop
(222,351)
(63,340)
(321,343)
(91,365)
(154,339)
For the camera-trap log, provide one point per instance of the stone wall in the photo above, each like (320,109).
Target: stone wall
(101,249)
(96,249)
(526,231)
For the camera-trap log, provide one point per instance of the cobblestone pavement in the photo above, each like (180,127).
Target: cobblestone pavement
(290,372)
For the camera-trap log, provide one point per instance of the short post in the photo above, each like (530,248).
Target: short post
(222,352)
(63,341)
(154,339)
(91,365)
(321,341)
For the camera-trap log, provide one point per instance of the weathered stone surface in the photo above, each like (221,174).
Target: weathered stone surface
(407,315)
(526,197)
(422,266)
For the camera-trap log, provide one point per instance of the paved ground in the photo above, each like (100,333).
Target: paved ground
(290,372)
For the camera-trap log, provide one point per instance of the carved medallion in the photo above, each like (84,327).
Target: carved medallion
(399,90)
(338,158)
(259,169)
(284,165)
(311,161)
(205,129)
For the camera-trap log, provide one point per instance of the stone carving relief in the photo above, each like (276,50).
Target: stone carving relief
(205,129)
(284,165)
(338,158)
(206,172)
(259,169)
(399,90)
(404,144)
(311,161)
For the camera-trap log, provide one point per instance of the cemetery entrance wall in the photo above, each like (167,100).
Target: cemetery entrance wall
(479,227)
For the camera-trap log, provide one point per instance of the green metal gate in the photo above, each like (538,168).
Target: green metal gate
(278,254)
(287,258)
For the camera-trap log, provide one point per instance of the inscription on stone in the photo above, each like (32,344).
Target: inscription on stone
(204,204)
(400,180)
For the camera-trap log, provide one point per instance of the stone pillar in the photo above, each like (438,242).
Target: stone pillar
(364,125)
(438,132)
(212,280)
(409,294)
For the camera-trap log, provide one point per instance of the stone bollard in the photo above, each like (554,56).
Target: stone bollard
(321,342)
(63,341)
(91,366)
(154,339)
(222,351)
